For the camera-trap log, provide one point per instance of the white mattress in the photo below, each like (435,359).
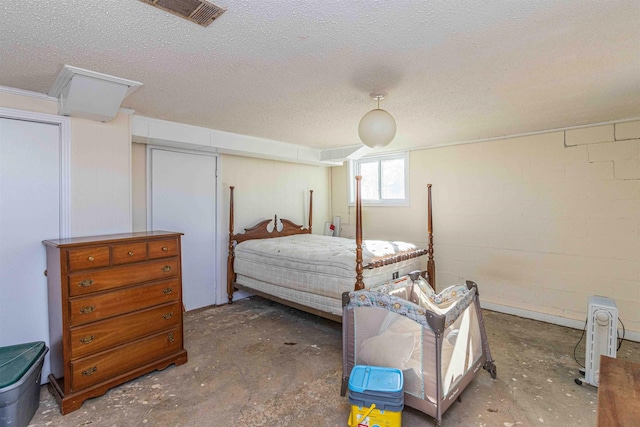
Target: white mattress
(318,302)
(315,265)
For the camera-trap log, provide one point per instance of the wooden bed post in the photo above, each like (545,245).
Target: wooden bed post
(230,272)
(431,265)
(359,282)
(310,211)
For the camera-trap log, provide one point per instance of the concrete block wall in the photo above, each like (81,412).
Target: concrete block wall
(540,222)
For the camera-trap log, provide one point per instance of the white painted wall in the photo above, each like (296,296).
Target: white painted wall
(539,222)
(139,186)
(264,188)
(100,176)
(28,101)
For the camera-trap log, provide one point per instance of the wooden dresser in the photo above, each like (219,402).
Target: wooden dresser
(115,311)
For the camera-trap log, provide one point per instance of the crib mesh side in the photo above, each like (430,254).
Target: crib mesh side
(385,338)
(462,348)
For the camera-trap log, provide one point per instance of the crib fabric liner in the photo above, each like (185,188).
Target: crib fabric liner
(450,302)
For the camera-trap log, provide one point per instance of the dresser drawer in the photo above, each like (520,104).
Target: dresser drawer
(93,281)
(128,252)
(103,305)
(163,248)
(109,333)
(81,259)
(91,370)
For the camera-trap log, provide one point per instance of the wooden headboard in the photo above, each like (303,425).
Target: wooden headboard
(260,231)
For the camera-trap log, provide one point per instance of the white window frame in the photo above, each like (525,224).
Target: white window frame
(354,167)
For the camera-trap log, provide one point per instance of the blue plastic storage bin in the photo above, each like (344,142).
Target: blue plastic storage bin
(376,384)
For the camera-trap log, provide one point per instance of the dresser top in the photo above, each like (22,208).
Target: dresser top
(110,238)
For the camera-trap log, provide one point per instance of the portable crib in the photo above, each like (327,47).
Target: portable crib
(438,340)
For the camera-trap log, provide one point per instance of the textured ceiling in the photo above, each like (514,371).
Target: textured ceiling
(301,71)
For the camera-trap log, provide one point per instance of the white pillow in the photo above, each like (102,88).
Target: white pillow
(389,349)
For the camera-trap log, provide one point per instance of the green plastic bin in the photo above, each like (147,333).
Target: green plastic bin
(20,371)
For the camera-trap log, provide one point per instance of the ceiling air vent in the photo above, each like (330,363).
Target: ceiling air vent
(199,11)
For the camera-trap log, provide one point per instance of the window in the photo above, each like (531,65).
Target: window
(384,180)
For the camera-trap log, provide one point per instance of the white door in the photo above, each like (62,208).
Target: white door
(183,199)
(29,213)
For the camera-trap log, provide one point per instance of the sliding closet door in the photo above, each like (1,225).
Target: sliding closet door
(29,213)
(183,199)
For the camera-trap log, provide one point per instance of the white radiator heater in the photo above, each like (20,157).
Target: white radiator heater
(602,329)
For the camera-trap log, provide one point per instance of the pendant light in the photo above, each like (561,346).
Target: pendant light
(377,128)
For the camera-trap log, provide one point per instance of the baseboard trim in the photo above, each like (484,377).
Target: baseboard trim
(548,318)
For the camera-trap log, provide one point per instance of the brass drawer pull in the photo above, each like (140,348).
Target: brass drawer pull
(87,339)
(167,316)
(170,337)
(91,259)
(88,309)
(89,372)
(167,291)
(86,283)
(165,249)
(130,253)
(166,268)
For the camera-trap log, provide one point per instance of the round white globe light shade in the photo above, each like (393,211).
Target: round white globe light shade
(377,128)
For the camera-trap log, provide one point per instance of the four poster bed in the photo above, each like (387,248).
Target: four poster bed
(283,261)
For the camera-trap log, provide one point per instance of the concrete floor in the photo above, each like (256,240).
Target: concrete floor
(257,363)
